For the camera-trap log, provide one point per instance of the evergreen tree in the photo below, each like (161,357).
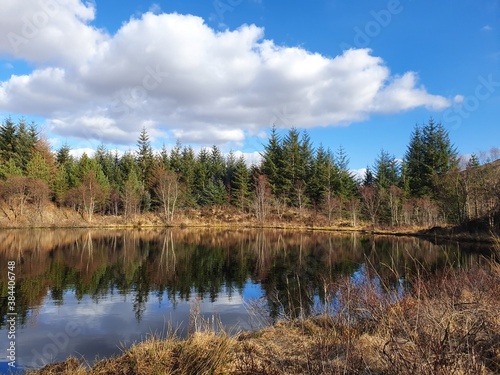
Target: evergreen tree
(386,171)
(38,168)
(9,168)
(414,164)
(8,142)
(163,158)
(345,183)
(230,164)
(272,160)
(319,182)
(430,154)
(65,178)
(307,157)
(291,169)
(63,155)
(240,184)
(217,165)
(201,176)
(368,179)
(27,138)
(187,175)
(175,160)
(144,156)
(473,162)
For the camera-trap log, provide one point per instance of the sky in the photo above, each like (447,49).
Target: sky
(357,74)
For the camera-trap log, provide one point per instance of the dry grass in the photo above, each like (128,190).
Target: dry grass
(447,323)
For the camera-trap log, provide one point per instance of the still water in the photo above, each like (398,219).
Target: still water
(92,293)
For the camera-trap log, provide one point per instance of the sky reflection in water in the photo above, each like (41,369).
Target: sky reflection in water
(92,293)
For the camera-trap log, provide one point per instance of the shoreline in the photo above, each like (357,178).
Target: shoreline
(448,233)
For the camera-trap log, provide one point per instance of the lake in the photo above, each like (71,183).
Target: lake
(93,292)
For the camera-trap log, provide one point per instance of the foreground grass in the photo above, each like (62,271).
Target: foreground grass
(447,323)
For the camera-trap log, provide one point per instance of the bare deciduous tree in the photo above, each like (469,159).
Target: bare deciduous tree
(166,187)
(371,202)
(262,200)
(332,205)
(395,197)
(14,192)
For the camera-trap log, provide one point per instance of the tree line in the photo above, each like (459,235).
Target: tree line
(294,179)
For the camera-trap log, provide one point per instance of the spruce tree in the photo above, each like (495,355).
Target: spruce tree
(319,182)
(240,184)
(8,140)
(187,175)
(368,180)
(386,171)
(414,164)
(38,168)
(144,156)
(430,154)
(345,183)
(26,139)
(175,159)
(272,161)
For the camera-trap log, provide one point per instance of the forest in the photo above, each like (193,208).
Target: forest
(295,181)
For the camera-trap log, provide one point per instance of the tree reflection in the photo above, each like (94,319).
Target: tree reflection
(296,270)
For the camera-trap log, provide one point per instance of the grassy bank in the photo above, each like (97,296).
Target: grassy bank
(446,323)
(232,218)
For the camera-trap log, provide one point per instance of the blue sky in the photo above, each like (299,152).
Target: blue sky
(359,74)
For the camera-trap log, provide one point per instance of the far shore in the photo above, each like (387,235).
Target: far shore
(217,219)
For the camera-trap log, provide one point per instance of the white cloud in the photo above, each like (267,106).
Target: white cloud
(487,28)
(77,152)
(458,99)
(359,174)
(49,31)
(175,75)
(251,158)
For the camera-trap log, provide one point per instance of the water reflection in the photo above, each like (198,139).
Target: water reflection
(88,291)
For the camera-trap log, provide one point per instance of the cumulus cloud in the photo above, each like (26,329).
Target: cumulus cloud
(359,174)
(177,76)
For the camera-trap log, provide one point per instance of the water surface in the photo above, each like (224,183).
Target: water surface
(93,292)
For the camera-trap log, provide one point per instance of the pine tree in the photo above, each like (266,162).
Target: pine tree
(345,183)
(9,168)
(414,164)
(430,154)
(163,159)
(386,171)
(272,162)
(187,175)
(319,182)
(128,166)
(27,138)
(65,178)
(368,179)
(144,156)
(201,176)
(8,142)
(38,168)
(217,165)
(63,155)
(175,160)
(307,157)
(473,162)
(240,187)
(296,157)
